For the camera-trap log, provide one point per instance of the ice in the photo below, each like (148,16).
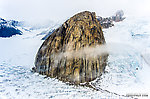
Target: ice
(127,72)
(19,82)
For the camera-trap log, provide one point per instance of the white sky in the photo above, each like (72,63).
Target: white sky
(41,10)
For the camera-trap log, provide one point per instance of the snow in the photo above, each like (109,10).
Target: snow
(19,50)
(127,72)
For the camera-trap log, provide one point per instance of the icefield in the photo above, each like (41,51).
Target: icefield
(127,71)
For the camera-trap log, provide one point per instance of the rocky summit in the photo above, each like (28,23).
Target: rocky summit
(62,55)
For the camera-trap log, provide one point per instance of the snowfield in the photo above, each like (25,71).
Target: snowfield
(127,72)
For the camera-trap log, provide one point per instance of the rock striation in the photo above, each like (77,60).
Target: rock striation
(79,32)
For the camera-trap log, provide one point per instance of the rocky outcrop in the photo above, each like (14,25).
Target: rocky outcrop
(118,16)
(60,55)
(105,22)
(108,21)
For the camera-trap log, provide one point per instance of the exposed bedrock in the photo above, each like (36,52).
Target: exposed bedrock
(66,54)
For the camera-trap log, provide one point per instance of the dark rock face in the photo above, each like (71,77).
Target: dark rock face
(8,28)
(105,22)
(80,31)
(108,21)
(9,31)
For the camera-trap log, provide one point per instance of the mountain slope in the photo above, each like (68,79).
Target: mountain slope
(8,28)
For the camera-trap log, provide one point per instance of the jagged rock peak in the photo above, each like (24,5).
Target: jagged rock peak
(80,31)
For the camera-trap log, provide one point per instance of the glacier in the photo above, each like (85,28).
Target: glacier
(127,72)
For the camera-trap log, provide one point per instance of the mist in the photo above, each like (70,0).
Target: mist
(116,49)
(39,11)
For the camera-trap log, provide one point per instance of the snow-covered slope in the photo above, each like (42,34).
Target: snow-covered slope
(127,71)
(129,68)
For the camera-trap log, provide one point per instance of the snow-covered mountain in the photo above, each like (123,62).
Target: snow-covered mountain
(9,28)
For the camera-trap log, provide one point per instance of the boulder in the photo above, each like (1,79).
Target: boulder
(62,54)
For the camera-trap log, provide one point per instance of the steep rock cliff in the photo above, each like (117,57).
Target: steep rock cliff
(60,55)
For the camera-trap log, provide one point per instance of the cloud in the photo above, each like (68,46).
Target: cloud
(97,51)
(41,10)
